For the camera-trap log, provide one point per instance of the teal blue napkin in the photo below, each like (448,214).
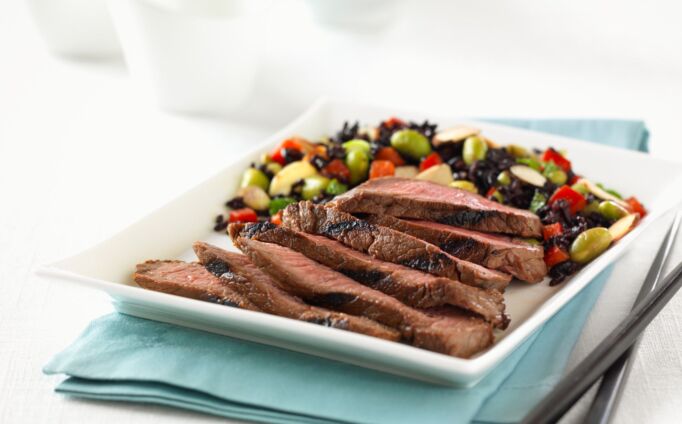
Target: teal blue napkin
(123,358)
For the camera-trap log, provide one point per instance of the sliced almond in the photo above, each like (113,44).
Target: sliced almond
(623,226)
(602,194)
(440,174)
(454,135)
(529,175)
(490,143)
(407,171)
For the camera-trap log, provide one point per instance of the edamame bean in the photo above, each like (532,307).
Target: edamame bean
(557,176)
(503,178)
(474,149)
(255,177)
(356,144)
(255,197)
(464,185)
(357,162)
(611,210)
(411,143)
(273,167)
(589,244)
(335,187)
(517,151)
(312,186)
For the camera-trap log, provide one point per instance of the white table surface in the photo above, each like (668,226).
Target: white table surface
(82,155)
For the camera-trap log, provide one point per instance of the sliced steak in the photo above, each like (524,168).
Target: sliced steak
(242,276)
(454,333)
(388,245)
(412,287)
(188,280)
(410,198)
(520,259)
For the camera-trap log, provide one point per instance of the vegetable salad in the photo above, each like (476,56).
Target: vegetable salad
(581,218)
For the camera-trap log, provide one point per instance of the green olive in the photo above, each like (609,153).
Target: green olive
(557,176)
(312,186)
(356,144)
(357,162)
(255,177)
(464,185)
(474,149)
(411,143)
(503,178)
(611,210)
(589,244)
(273,167)
(517,151)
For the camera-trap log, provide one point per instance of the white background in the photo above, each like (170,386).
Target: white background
(82,154)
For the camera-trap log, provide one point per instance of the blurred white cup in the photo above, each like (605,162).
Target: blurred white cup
(76,28)
(193,56)
(355,14)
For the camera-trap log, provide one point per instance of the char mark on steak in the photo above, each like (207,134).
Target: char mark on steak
(389,245)
(268,296)
(412,287)
(454,333)
(518,258)
(418,199)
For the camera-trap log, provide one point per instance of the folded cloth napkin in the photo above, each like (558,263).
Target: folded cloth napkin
(120,357)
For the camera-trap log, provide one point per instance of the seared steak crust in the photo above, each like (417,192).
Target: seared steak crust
(242,276)
(412,287)
(455,332)
(520,259)
(418,199)
(388,245)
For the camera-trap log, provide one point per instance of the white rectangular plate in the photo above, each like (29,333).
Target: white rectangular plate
(170,231)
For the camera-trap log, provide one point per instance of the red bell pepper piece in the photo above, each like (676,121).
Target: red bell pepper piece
(390,154)
(636,206)
(394,122)
(575,200)
(381,168)
(574,179)
(551,230)
(337,169)
(555,255)
(277,153)
(432,159)
(243,215)
(559,160)
(276,219)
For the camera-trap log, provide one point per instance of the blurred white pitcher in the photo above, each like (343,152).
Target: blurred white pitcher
(76,28)
(194,56)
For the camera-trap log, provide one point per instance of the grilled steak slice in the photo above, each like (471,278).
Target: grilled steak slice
(242,276)
(188,280)
(388,245)
(522,260)
(410,198)
(414,288)
(454,333)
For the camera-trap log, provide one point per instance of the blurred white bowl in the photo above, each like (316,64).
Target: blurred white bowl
(193,56)
(355,14)
(77,28)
